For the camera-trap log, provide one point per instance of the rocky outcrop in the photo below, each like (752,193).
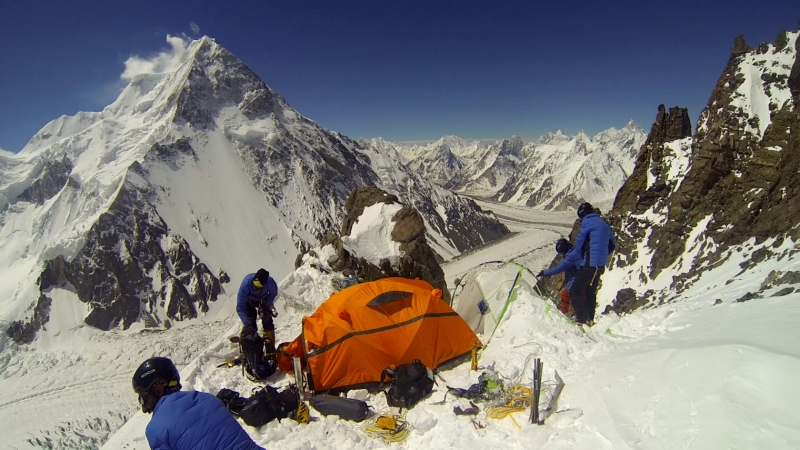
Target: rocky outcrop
(360,198)
(638,193)
(418,260)
(24,331)
(740,47)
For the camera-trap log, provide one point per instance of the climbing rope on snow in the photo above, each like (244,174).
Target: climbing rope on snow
(388,428)
(518,400)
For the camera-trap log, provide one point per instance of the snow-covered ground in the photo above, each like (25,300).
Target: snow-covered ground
(685,375)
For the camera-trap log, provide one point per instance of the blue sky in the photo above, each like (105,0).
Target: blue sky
(410,70)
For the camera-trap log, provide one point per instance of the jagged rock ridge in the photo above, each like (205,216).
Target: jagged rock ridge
(735,184)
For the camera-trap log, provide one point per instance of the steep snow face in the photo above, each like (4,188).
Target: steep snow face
(555,172)
(196,173)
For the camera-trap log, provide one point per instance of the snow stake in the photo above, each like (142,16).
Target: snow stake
(535,392)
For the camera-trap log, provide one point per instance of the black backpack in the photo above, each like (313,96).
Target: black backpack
(232,400)
(410,383)
(267,404)
(255,365)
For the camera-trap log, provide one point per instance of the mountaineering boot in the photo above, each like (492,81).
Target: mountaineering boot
(269,341)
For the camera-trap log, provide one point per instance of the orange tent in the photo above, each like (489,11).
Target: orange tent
(363,329)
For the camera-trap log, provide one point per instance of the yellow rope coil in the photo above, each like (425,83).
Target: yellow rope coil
(400,432)
(519,399)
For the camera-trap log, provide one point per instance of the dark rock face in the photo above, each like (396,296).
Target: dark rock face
(112,273)
(25,331)
(207,92)
(625,302)
(740,47)
(49,182)
(634,195)
(740,180)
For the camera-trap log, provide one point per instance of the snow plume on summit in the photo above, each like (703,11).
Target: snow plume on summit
(555,172)
(720,208)
(165,61)
(198,173)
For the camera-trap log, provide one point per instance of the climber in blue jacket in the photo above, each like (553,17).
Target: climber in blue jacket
(184,420)
(569,265)
(595,242)
(257,297)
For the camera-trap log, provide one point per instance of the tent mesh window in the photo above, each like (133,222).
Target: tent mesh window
(387,297)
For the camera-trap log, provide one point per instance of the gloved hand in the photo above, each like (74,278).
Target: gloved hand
(540,274)
(273,312)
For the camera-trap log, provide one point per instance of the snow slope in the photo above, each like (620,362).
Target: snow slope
(685,375)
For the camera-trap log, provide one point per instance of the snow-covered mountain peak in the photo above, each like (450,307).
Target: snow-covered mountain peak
(197,170)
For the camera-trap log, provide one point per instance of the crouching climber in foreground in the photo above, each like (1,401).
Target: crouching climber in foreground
(184,420)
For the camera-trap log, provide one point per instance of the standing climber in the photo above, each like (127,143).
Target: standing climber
(595,243)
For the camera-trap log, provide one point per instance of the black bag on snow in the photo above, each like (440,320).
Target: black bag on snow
(268,404)
(346,408)
(410,383)
(232,400)
(256,365)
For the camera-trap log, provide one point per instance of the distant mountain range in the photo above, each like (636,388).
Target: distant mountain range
(555,172)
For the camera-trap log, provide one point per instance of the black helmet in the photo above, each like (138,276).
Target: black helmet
(563,246)
(585,209)
(154,370)
(260,280)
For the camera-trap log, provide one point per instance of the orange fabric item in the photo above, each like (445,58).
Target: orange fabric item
(565,296)
(286,351)
(392,321)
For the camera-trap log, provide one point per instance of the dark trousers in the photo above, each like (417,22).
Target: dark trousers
(266,318)
(584,292)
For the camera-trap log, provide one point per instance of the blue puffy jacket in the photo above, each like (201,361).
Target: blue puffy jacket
(595,241)
(259,299)
(192,420)
(569,265)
